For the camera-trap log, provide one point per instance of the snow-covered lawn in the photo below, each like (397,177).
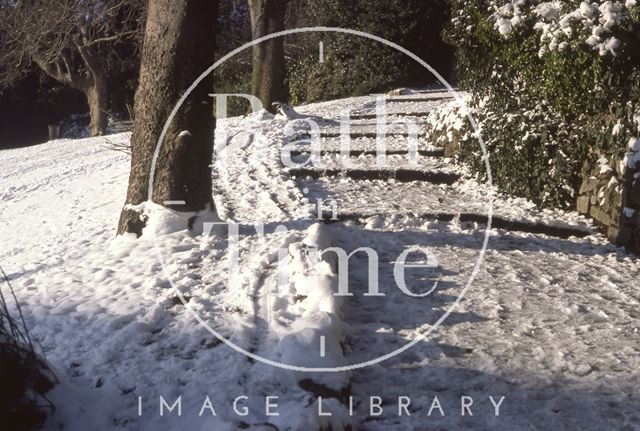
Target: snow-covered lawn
(550,324)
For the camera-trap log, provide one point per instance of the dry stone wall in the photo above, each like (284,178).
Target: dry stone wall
(610,195)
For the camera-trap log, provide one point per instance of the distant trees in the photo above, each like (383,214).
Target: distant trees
(288,69)
(268,78)
(74,42)
(179,44)
(354,65)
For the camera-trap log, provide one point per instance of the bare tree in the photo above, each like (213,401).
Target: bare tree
(179,45)
(269,71)
(72,41)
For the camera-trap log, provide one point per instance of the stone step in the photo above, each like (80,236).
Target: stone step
(497,222)
(355,134)
(434,91)
(369,198)
(434,152)
(399,175)
(409,99)
(395,143)
(361,130)
(424,92)
(410,107)
(370,161)
(371,116)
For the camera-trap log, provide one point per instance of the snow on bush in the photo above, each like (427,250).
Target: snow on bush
(564,25)
(448,122)
(554,87)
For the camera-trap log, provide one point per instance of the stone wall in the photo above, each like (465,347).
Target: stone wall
(630,218)
(610,195)
(610,190)
(600,196)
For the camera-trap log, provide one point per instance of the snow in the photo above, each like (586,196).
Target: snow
(551,324)
(504,26)
(184,134)
(561,24)
(163,221)
(550,10)
(632,157)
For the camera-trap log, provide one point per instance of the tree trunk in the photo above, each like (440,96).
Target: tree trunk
(269,73)
(97,99)
(93,85)
(178,46)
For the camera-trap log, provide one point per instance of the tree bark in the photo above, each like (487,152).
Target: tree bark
(178,46)
(97,98)
(269,72)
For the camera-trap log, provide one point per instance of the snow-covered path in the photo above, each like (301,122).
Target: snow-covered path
(547,324)
(551,322)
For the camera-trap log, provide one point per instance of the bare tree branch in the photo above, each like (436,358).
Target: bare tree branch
(74,42)
(65,32)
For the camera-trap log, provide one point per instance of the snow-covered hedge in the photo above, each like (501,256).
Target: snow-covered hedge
(566,25)
(554,86)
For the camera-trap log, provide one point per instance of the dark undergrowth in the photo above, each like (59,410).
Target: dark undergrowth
(24,374)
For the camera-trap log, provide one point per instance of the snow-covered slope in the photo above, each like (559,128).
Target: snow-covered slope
(549,323)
